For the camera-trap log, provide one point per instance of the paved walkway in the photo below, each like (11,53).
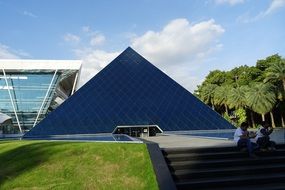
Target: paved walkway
(171,141)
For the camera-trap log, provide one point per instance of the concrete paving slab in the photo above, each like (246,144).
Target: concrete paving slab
(173,141)
(180,140)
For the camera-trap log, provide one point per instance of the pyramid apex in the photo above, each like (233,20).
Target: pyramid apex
(130,49)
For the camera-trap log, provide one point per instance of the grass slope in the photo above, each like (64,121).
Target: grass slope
(75,165)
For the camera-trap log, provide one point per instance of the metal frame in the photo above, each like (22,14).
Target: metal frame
(74,84)
(20,65)
(139,126)
(12,102)
(45,98)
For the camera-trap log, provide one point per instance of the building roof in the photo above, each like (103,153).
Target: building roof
(129,91)
(4,117)
(26,64)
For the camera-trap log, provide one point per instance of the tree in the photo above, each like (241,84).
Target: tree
(216,77)
(276,73)
(244,75)
(221,96)
(236,98)
(225,90)
(263,64)
(261,98)
(241,114)
(207,93)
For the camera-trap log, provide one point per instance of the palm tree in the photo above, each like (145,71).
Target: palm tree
(221,96)
(236,97)
(207,94)
(276,73)
(261,98)
(281,104)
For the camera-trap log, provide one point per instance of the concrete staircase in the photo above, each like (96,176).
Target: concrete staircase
(226,168)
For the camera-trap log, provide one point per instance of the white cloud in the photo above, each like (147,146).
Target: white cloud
(22,53)
(231,2)
(71,38)
(274,6)
(97,39)
(29,14)
(178,40)
(6,53)
(94,60)
(180,47)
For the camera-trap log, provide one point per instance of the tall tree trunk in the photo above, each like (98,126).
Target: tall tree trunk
(213,106)
(252,119)
(283,84)
(272,120)
(263,117)
(281,108)
(226,108)
(282,121)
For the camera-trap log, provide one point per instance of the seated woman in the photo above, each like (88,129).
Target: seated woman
(263,138)
(242,137)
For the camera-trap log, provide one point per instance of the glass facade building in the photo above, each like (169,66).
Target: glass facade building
(30,89)
(129,94)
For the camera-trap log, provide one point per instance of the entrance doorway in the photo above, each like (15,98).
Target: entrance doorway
(138,130)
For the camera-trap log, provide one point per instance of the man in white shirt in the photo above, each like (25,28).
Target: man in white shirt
(242,138)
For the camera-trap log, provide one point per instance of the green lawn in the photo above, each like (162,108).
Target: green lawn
(75,165)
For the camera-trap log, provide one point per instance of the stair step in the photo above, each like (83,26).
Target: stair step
(179,175)
(226,168)
(167,151)
(195,164)
(207,156)
(280,146)
(237,181)
(219,155)
(270,186)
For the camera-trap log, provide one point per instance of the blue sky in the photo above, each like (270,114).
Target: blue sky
(184,38)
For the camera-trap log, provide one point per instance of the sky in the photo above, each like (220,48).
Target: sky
(186,39)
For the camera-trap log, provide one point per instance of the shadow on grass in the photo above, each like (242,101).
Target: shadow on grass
(24,158)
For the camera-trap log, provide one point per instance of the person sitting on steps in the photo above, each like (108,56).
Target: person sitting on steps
(242,137)
(263,138)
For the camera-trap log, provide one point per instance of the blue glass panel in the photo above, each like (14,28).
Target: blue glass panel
(28,90)
(129,91)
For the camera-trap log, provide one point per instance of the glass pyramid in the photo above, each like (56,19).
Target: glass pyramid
(129,91)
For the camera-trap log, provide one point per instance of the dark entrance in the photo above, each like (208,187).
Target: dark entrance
(138,130)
